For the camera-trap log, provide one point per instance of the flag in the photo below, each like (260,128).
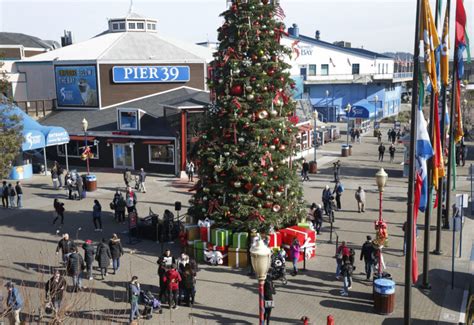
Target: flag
(430,42)
(453,164)
(438,163)
(458,128)
(445,45)
(424,150)
(416,204)
(279,12)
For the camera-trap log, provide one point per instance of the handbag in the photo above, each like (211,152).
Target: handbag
(269,304)
(48,308)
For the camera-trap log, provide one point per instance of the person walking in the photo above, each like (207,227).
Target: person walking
(116,251)
(5,194)
(341,252)
(54,177)
(304,171)
(55,288)
(326,198)
(379,137)
(89,253)
(389,135)
(68,182)
(130,200)
(19,195)
(133,297)
(103,256)
(381,152)
(189,279)
(60,170)
(120,209)
(346,272)
(368,254)
(338,189)
(127,177)
(59,210)
(357,135)
(295,255)
(97,216)
(65,245)
(162,277)
(318,219)
(268,292)
(80,187)
(141,181)
(172,279)
(14,303)
(360,198)
(336,169)
(11,195)
(310,218)
(190,170)
(75,266)
(393,136)
(392,150)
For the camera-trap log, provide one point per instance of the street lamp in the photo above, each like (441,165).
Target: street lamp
(327,104)
(315,134)
(260,258)
(380,179)
(85,125)
(376,99)
(348,111)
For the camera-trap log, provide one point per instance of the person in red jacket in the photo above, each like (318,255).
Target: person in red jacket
(172,279)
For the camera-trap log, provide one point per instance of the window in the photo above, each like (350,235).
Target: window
(355,68)
(128,120)
(383,68)
(148,26)
(379,68)
(115,26)
(140,26)
(161,154)
(324,69)
(153,26)
(386,68)
(131,25)
(75,148)
(122,25)
(312,70)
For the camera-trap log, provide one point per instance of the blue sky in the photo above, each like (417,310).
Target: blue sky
(379,25)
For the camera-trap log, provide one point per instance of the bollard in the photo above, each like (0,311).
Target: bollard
(304,259)
(330,320)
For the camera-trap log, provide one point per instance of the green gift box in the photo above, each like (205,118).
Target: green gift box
(199,248)
(239,240)
(304,225)
(220,237)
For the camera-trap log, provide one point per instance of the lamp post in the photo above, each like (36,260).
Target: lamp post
(348,111)
(380,179)
(85,125)
(327,104)
(376,99)
(260,258)
(315,134)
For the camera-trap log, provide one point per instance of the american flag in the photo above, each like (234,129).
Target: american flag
(279,12)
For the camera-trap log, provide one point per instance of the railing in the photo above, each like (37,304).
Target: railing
(402,75)
(37,108)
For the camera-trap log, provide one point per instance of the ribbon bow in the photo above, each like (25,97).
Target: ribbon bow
(263,160)
(310,248)
(213,205)
(230,53)
(279,32)
(283,96)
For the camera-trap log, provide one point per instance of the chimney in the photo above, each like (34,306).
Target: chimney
(66,39)
(317,36)
(294,30)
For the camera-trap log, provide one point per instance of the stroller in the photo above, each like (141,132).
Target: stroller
(150,303)
(278,268)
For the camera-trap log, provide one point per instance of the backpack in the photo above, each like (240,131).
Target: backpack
(340,188)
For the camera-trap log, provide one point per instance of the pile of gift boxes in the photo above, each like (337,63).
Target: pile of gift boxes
(234,246)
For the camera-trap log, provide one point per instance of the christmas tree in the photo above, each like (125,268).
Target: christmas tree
(247,176)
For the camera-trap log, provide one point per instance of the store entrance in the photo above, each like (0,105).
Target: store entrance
(123,156)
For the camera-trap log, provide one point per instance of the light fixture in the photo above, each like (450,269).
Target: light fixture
(381,179)
(85,125)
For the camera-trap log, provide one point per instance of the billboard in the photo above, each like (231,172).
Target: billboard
(76,86)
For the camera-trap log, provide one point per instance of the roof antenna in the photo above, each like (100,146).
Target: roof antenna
(130,9)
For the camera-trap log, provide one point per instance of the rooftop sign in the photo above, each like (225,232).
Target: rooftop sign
(150,74)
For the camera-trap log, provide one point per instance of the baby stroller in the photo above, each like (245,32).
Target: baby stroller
(150,303)
(278,268)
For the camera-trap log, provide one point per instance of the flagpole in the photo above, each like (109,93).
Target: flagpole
(439,215)
(411,176)
(426,245)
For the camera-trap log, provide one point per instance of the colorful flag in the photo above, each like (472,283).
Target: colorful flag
(424,150)
(438,163)
(445,45)
(279,12)
(430,42)
(414,256)
(458,128)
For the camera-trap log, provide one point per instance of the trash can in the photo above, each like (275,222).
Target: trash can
(350,150)
(91,183)
(313,167)
(384,296)
(344,150)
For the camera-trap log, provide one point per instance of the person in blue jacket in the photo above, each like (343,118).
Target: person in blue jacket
(14,303)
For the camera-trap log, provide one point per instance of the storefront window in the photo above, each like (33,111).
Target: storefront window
(312,70)
(75,148)
(161,154)
(140,26)
(128,120)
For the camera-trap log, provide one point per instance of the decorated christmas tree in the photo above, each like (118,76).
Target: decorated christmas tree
(247,176)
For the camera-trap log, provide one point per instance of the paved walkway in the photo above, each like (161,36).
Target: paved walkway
(225,295)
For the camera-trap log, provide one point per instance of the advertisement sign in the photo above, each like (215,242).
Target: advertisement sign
(397,125)
(147,74)
(76,86)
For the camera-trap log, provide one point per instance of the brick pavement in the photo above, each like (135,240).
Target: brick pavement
(224,295)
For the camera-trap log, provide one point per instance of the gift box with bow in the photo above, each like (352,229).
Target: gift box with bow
(237,257)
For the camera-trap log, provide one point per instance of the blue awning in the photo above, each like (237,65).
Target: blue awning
(362,109)
(55,135)
(32,139)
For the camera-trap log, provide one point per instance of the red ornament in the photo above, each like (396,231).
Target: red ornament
(267,205)
(293,85)
(276,141)
(271,72)
(236,90)
(248,186)
(234,8)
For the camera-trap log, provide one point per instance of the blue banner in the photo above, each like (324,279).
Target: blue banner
(76,86)
(145,74)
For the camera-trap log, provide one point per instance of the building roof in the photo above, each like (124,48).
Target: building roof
(351,50)
(128,46)
(7,38)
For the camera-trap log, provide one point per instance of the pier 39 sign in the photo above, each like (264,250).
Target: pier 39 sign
(150,74)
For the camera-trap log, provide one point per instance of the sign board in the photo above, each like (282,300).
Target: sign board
(376,125)
(358,112)
(462,200)
(397,125)
(76,86)
(150,74)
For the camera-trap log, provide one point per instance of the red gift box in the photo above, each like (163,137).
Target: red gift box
(274,239)
(306,238)
(205,233)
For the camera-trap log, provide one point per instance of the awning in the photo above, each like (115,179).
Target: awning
(359,111)
(157,142)
(33,139)
(55,135)
(81,138)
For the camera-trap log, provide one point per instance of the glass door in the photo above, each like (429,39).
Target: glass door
(123,156)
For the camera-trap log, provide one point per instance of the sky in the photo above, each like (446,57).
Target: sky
(377,25)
